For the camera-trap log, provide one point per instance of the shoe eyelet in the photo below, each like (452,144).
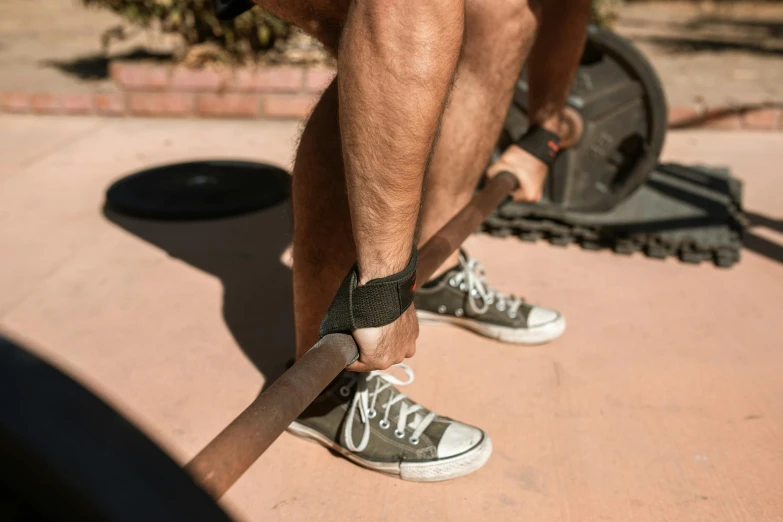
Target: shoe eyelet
(512,315)
(453,282)
(463,286)
(474,292)
(501,307)
(345,391)
(371,413)
(384,424)
(458,312)
(442,309)
(489,300)
(413,440)
(399,434)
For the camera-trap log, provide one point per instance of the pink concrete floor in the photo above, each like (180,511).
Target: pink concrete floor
(663,400)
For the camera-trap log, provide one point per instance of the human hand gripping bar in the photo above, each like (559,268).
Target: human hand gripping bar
(239,445)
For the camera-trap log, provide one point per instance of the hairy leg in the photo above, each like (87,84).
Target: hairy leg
(499,36)
(396,63)
(323,239)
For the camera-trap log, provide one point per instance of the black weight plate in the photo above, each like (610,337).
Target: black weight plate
(67,456)
(199,190)
(621,101)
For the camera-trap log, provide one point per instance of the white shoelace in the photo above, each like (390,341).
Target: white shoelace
(365,399)
(471,280)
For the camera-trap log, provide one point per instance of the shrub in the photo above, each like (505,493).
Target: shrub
(194,20)
(254,35)
(605,12)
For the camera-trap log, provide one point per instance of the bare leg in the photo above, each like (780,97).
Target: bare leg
(499,36)
(396,63)
(357,192)
(323,240)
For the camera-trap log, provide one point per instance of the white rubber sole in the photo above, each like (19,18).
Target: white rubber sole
(434,471)
(535,335)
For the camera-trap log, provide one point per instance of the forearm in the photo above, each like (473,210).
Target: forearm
(396,63)
(554,59)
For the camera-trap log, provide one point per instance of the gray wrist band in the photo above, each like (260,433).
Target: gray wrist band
(377,303)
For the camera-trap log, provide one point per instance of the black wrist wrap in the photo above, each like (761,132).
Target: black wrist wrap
(541,143)
(377,303)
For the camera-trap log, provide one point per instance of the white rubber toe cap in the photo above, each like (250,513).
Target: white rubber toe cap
(540,316)
(458,438)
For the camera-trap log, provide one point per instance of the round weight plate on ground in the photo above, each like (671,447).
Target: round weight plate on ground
(199,190)
(67,456)
(623,108)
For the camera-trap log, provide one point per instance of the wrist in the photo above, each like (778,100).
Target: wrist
(379,302)
(553,123)
(380,264)
(540,143)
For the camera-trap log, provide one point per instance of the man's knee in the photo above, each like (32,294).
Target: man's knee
(413,27)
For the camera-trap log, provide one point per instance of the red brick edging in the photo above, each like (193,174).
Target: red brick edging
(159,90)
(285,92)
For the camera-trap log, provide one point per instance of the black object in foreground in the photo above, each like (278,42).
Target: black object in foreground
(68,456)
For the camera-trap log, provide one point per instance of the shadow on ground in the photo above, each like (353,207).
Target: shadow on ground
(698,120)
(244,254)
(96,66)
(761,245)
(764,28)
(683,45)
(714,34)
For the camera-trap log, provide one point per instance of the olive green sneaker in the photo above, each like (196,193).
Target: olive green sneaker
(461,297)
(366,419)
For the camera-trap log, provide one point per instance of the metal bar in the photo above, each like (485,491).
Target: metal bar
(240,444)
(456,231)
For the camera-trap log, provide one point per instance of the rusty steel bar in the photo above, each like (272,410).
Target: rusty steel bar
(240,444)
(455,232)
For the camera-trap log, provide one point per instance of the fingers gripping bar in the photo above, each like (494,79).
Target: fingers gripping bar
(240,444)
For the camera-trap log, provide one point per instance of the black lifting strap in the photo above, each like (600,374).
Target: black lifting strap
(540,143)
(377,303)
(230,9)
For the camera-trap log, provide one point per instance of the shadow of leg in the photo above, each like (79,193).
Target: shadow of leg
(245,254)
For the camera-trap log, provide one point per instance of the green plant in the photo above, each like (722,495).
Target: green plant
(253,34)
(194,20)
(605,12)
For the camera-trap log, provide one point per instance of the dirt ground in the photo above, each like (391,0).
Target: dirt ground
(711,53)
(661,402)
(706,53)
(55,46)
